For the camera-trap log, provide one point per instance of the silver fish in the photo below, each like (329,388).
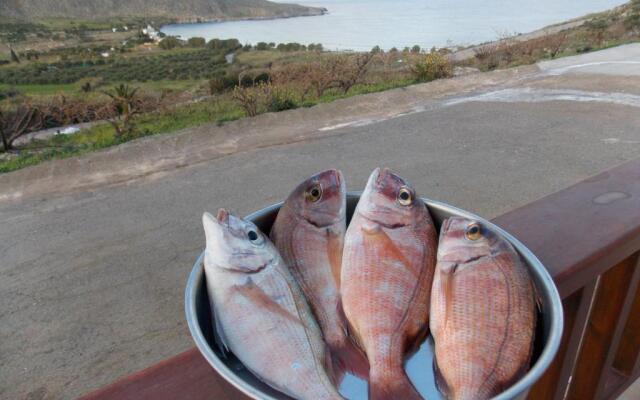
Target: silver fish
(259,310)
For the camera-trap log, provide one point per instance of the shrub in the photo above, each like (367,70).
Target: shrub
(196,42)
(228,44)
(216,85)
(488,55)
(279,98)
(262,46)
(9,93)
(170,42)
(127,104)
(248,98)
(15,123)
(431,67)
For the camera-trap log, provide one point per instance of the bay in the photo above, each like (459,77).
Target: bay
(362,24)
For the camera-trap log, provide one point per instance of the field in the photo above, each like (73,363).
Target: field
(130,85)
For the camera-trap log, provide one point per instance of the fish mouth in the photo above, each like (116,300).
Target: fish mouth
(385,182)
(333,178)
(223,216)
(445,226)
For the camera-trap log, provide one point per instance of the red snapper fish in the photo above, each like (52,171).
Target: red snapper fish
(309,233)
(387,269)
(260,313)
(483,312)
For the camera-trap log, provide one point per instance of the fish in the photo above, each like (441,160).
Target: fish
(309,233)
(259,312)
(387,269)
(483,312)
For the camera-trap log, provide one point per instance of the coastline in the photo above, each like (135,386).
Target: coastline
(314,12)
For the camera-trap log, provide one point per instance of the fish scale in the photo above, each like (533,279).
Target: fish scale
(391,244)
(260,313)
(483,313)
(309,233)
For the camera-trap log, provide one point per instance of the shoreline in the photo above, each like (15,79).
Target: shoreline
(188,21)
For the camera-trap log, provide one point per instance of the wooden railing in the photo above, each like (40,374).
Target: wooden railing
(588,236)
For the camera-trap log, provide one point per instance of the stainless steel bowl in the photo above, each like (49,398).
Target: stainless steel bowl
(199,316)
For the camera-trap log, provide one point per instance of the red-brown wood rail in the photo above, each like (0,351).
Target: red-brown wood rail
(588,237)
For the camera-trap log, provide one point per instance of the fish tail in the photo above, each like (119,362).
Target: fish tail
(392,386)
(347,357)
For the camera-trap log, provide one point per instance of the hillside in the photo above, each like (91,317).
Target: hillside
(181,10)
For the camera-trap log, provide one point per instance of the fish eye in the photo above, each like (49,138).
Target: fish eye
(404,196)
(314,193)
(253,236)
(474,231)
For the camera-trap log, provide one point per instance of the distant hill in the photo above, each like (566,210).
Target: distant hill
(181,10)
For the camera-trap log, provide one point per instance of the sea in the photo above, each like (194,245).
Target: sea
(362,24)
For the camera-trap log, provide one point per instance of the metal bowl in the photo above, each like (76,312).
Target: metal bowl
(548,332)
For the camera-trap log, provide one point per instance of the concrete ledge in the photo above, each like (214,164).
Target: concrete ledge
(161,153)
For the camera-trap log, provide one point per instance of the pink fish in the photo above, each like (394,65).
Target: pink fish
(387,268)
(483,312)
(260,312)
(309,233)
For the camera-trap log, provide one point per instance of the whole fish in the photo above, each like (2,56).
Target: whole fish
(309,233)
(483,312)
(387,268)
(259,311)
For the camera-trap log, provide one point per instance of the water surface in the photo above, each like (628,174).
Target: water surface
(362,24)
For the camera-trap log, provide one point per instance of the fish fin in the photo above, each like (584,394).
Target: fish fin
(349,330)
(348,357)
(334,249)
(536,297)
(256,295)
(400,387)
(441,383)
(414,343)
(219,335)
(446,279)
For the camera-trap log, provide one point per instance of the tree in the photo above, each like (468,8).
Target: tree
(415,49)
(126,104)
(15,123)
(170,42)
(14,56)
(262,46)
(376,50)
(352,70)
(196,42)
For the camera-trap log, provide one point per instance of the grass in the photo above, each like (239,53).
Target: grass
(263,57)
(102,135)
(44,93)
(223,108)
(43,90)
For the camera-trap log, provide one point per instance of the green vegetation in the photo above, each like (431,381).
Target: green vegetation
(137,87)
(193,64)
(601,30)
(431,67)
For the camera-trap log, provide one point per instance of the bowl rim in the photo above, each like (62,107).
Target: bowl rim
(543,362)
